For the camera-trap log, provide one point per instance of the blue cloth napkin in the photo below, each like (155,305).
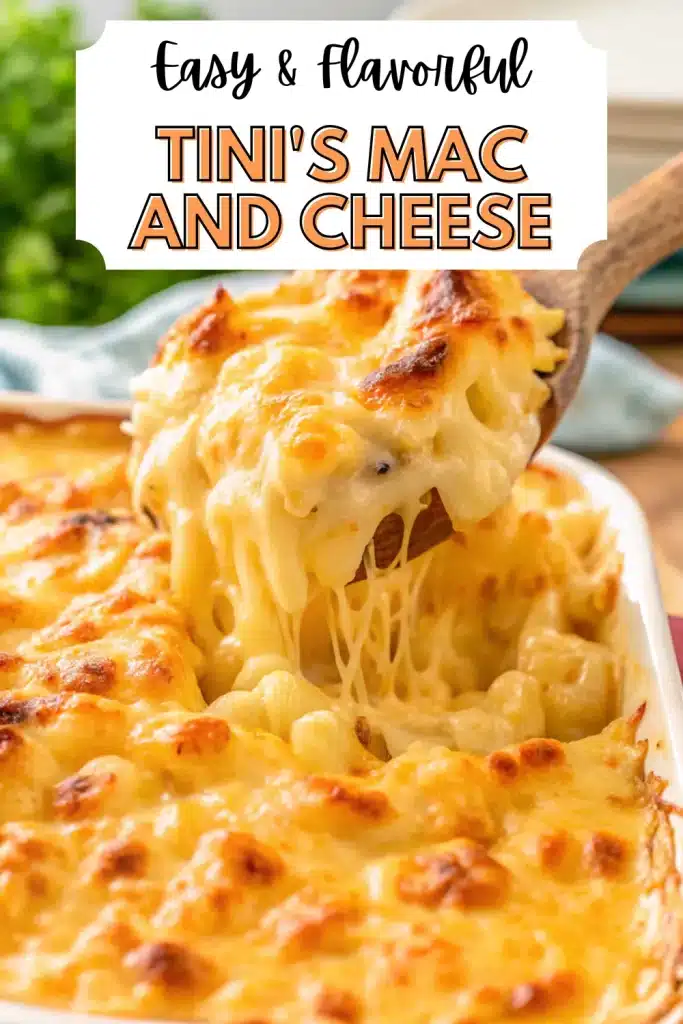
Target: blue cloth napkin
(623,403)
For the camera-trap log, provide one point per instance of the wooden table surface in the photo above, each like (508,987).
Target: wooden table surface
(655,477)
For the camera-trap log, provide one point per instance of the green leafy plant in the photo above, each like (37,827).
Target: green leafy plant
(46,276)
(159,10)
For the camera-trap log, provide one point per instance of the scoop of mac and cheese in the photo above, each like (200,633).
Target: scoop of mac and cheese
(274,432)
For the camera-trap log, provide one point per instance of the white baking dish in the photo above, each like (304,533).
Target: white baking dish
(643,629)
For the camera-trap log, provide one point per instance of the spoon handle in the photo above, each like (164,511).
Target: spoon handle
(645,224)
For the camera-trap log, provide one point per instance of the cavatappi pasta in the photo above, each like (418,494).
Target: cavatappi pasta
(254,856)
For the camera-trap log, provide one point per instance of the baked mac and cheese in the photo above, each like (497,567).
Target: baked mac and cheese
(407,800)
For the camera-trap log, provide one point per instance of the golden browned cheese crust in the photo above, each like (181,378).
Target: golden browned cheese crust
(157,859)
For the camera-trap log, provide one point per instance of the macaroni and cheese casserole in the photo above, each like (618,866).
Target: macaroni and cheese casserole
(233,789)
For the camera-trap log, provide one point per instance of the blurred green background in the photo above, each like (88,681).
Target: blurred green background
(46,276)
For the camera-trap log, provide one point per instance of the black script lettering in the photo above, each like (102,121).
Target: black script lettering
(241,71)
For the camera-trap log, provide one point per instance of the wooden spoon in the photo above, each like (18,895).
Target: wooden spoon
(645,224)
